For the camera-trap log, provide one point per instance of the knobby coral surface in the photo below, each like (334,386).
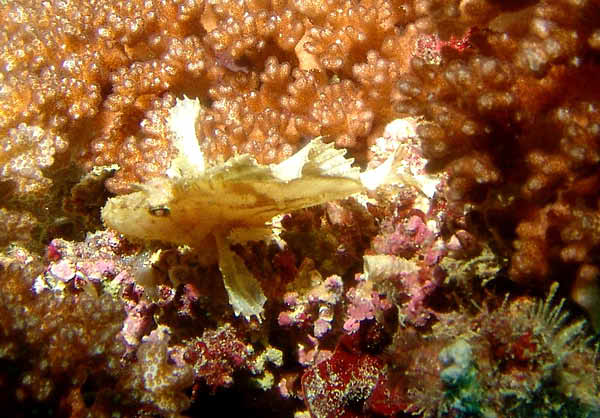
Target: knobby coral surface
(414,298)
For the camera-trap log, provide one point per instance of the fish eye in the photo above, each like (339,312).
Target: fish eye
(159,211)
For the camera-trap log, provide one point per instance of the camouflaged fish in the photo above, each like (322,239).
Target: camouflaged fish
(233,202)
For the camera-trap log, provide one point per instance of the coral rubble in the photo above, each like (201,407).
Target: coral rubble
(353,208)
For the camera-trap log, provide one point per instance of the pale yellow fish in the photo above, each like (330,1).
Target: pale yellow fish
(193,203)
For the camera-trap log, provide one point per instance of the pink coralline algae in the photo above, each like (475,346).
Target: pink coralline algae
(138,322)
(95,264)
(63,270)
(419,286)
(407,269)
(406,238)
(316,306)
(363,303)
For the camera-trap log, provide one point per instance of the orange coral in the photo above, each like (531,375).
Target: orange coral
(92,71)
(160,374)
(27,150)
(15,226)
(514,121)
(58,336)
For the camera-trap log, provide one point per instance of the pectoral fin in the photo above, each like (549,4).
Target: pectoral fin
(245,294)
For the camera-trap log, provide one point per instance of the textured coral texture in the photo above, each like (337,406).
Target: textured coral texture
(468,285)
